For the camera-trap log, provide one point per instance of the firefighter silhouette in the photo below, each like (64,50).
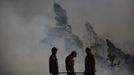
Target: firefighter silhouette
(89,63)
(53,62)
(70,63)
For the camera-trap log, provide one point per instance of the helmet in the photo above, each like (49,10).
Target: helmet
(74,54)
(54,49)
(88,49)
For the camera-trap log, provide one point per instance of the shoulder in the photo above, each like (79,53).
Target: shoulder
(67,57)
(52,57)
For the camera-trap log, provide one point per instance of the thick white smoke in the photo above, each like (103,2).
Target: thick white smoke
(21,51)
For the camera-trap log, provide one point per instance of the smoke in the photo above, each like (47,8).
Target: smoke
(21,34)
(107,16)
(19,42)
(24,23)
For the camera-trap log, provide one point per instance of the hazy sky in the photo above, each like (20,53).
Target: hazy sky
(22,24)
(106,16)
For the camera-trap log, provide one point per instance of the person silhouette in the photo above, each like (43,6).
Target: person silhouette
(53,62)
(89,63)
(70,63)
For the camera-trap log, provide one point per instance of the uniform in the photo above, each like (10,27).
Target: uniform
(90,65)
(70,65)
(53,65)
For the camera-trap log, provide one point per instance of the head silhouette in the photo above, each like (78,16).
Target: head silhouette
(54,50)
(88,50)
(73,54)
